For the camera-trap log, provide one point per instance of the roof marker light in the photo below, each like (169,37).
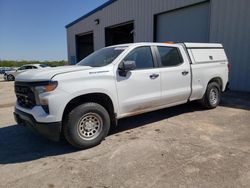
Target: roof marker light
(168,42)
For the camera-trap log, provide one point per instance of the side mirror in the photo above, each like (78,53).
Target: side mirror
(126,66)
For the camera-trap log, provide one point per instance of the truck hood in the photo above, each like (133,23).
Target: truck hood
(48,73)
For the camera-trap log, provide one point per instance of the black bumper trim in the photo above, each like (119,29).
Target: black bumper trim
(51,131)
(227,87)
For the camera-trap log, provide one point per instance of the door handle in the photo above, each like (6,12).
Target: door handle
(154,76)
(184,73)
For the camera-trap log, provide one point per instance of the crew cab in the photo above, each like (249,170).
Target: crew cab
(83,101)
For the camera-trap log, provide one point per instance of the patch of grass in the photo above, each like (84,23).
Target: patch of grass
(10,63)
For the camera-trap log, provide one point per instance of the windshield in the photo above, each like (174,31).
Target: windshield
(102,57)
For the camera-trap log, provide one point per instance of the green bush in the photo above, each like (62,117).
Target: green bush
(10,63)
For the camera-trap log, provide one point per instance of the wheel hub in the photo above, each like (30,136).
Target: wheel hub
(213,96)
(90,126)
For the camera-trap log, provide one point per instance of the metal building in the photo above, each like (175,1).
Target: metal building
(126,21)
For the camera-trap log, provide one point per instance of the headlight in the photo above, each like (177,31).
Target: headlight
(51,86)
(44,88)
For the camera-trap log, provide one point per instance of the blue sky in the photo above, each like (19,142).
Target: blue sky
(35,29)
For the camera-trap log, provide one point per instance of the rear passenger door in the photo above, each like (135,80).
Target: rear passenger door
(175,75)
(140,89)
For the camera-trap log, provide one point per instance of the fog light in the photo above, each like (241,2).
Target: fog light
(44,103)
(46,108)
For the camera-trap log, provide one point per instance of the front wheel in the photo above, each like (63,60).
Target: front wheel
(10,78)
(86,125)
(212,97)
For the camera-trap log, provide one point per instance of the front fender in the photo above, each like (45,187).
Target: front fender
(79,84)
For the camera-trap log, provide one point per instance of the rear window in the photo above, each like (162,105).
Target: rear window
(170,56)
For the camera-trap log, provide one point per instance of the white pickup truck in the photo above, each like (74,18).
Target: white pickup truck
(82,102)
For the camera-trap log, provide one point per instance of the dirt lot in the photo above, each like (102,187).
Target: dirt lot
(183,146)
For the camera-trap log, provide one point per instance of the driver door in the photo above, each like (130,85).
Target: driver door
(139,90)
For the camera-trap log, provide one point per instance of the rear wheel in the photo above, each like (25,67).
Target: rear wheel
(86,125)
(212,97)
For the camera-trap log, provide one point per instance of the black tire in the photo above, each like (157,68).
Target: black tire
(212,97)
(78,125)
(10,78)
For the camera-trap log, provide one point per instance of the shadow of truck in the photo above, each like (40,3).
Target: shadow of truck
(18,144)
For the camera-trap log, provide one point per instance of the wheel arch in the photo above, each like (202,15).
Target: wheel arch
(218,80)
(99,98)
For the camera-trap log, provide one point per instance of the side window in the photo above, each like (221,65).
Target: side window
(142,56)
(170,56)
(29,67)
(33,67)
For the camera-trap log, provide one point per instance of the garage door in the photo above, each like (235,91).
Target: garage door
(84,45)
(119,34)
(190,24)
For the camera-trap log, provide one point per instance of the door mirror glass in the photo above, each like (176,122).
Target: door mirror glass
(126,66)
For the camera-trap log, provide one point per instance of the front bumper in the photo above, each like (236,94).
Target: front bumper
(51,131)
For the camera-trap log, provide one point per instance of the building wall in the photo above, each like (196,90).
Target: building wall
(229,24)
(140,11)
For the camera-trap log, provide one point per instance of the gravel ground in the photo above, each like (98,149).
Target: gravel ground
(183,146)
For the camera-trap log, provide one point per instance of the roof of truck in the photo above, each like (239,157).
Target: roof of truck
(187,44)
(140,44)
